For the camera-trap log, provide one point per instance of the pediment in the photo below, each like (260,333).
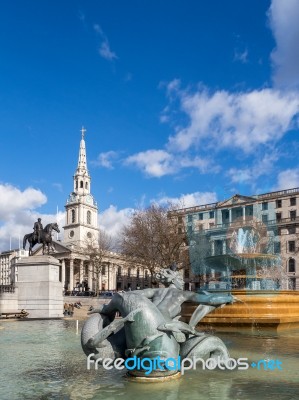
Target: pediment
(59,247)
(235,200)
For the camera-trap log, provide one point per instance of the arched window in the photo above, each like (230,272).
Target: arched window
(292,265)
(88,217)
(129,272)
(73,216)
(76,183)
(81,184)
(86,185)
(138,272)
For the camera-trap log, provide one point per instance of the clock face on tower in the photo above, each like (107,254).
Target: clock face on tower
(88,199)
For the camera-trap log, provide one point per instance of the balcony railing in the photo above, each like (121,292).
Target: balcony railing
(7,288)
(273,222)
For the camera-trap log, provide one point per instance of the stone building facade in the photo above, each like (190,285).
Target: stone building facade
(274,216)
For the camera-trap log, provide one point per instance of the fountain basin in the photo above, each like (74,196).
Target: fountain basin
(256,310)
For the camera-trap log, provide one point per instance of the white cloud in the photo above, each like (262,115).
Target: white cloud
(261,166)
(158,163)
(13,200)
(284,17)
(18,212)
(112,220)
(106,52)
(105,159)
(154,163)
(287,179)
(241,56)
(189,200)
(235,120)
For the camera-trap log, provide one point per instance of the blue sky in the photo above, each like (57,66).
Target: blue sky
(184,100)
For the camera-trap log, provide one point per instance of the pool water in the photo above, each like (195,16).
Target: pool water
(43,360)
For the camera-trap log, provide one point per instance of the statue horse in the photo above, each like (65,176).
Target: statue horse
(45,238)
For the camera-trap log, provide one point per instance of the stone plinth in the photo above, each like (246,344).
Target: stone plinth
(40,291)
(9,299)
(275,310)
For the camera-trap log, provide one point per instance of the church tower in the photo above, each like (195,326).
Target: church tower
(81,220)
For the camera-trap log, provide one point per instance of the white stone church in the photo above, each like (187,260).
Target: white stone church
(81,225)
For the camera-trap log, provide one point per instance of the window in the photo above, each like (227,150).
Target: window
(190,218)
(186,273)
(291,230)
(264,206)
(146,274)
(293,214)
(265,218)
(292,245)
(77,184)
(119,271)
(86,185)
(212,214)
(200,217)
(81,184)
(138,272)
(103,270)
(278,217)
(292,201)
(292,265)
(73,216)
(88,217)
(129,272)
(278,203)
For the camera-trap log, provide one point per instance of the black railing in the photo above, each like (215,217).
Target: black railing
(7,288)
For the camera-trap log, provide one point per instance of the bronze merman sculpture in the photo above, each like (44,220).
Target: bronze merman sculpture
(149,326)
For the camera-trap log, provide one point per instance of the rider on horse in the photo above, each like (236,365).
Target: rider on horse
(38,227)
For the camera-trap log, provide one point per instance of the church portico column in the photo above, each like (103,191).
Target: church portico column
(63,273)
(244,213)
(81,271)
(89,272)
(71,274)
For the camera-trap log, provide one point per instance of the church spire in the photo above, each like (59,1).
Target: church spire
(82,165)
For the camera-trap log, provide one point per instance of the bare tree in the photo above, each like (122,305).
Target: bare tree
(98,252)
(153,238)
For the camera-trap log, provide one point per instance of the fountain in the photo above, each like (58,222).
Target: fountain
(149,339)
(251,268)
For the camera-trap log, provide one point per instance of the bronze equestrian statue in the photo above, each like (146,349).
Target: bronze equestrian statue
(41,235)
